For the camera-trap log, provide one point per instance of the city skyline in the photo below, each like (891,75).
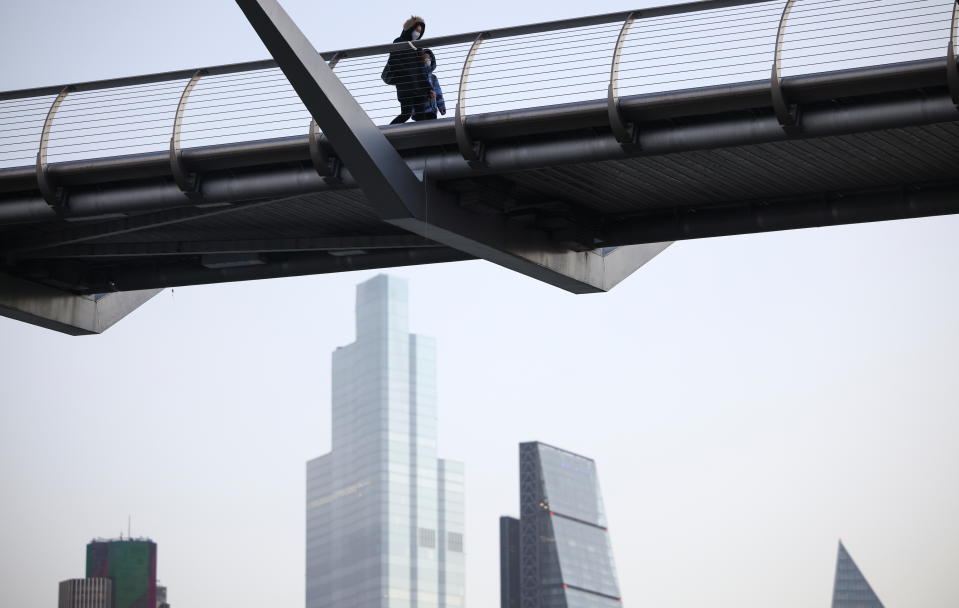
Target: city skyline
(870,550)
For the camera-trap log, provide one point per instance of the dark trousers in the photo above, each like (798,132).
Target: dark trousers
(406,111)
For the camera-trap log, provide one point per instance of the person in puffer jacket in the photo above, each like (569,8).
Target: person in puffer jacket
(404,70)
(428,109)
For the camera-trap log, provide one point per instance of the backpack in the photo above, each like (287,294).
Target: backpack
(387,74)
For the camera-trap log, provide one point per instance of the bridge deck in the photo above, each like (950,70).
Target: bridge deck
(876,139)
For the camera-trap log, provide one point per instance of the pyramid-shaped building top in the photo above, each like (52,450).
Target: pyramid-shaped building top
(851,590)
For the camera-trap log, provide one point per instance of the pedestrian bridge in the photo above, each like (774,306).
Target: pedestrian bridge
(573,151)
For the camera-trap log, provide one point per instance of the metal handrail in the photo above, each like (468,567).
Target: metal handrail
(534,28)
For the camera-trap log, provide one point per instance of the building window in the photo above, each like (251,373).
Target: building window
(428,538)
(455,542)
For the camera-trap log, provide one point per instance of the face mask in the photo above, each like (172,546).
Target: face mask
(427,62)
(416,35)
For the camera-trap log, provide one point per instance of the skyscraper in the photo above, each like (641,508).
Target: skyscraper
(509,584)
(86,593)
(384,515)
(132,566)
(851,590)
(161,597)
(565,559)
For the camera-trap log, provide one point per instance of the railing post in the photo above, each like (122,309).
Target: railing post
(624,132)
(53,194)
(786,114)
(189,183)
(327,166)
(952,68)
(472,151)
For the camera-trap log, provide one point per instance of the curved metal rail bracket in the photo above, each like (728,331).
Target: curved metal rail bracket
(624,132)
(326,165)
(787,114)
(472,151)
(952,68)
(188,183)
(54,195)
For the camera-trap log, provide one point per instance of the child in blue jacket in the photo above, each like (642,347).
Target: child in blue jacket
(435,103)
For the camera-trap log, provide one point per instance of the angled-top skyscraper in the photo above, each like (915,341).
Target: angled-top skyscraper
(384,515)
(557,555)
(851,589)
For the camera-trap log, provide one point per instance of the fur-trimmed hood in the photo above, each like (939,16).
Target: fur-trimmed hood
(429,53)
(409,25)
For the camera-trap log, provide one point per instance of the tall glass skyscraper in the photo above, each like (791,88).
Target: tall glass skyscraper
(851,590)
(384,515)
(565,558)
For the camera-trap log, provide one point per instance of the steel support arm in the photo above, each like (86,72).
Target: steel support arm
(402,199)
(63,311)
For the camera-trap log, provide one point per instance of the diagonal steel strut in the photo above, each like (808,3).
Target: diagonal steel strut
(388,182)
(402,199)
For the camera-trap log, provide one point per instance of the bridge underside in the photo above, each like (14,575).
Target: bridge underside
(873,144)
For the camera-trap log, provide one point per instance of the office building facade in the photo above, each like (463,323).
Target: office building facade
(161,597)
(565,557)
(86,593)
(509,583)
(850,589)
(384,515)
(132,566)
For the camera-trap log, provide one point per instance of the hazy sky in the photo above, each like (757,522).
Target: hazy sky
(748,400)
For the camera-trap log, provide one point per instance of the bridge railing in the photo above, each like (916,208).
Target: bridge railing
(603,57)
